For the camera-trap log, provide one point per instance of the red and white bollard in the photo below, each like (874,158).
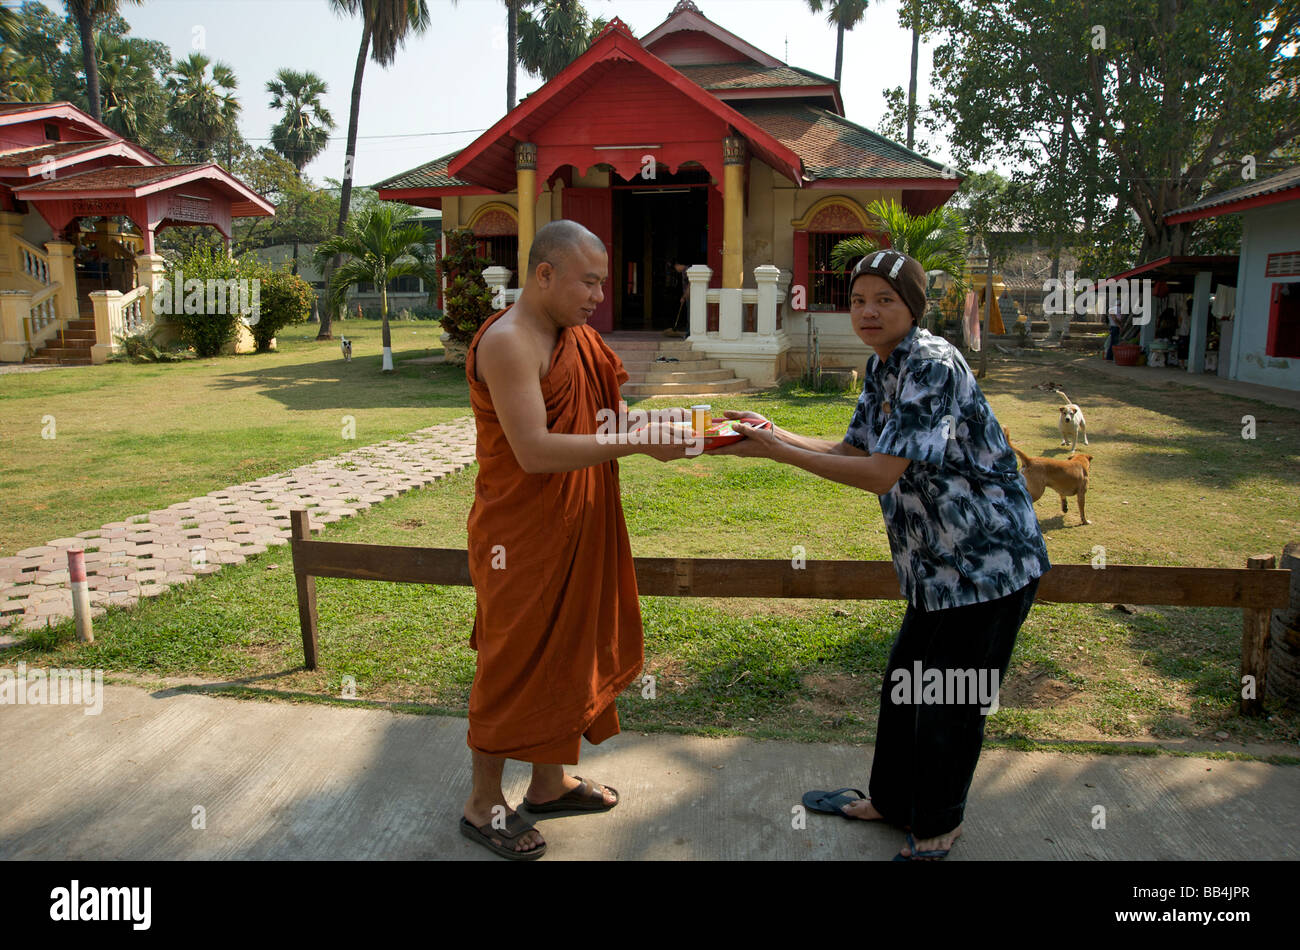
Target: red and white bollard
(80,594)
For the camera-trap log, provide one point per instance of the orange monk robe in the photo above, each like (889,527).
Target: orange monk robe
(558,625)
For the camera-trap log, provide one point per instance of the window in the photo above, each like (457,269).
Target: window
(1283,339)
(51,132)
(828,288)
(404,285)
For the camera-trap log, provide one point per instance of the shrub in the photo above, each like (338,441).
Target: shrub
(139,347)
(468,299)
(284,299)
(204,321)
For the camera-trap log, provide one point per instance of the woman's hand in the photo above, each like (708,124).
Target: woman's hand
(758,443)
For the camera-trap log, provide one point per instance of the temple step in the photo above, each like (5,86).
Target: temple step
(692,389)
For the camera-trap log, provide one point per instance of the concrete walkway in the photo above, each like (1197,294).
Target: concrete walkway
(286,782)
(146,554)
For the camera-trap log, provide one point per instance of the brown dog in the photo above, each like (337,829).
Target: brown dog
(1064,476)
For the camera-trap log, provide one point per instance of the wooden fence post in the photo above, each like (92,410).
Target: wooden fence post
(1255,642)
(301,531)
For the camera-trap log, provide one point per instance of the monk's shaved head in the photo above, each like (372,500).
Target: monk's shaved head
(555,242)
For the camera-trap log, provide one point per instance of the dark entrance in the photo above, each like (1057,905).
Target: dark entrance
(656,224)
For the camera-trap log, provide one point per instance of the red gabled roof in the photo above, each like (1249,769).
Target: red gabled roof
(38,159)
(12,113)
(489,159)
(140,180)
(686,17)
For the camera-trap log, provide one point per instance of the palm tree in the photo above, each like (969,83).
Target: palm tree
(86,13)
(936,239)
(559,33)
(380,246)
(303,131)
(843,15)
(385,25)
(129,90)
(203,109)
(21,77)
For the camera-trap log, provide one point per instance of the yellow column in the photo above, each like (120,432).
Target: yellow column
(733,211)
(526,179)
(64,270)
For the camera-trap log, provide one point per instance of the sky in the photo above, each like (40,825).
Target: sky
(448,85)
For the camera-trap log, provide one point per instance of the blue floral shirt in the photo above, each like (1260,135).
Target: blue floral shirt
(961,526)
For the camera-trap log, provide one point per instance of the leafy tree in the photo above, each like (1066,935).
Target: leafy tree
(304,213)
(1112,114)
(385,25)
(558,34)
(379,245)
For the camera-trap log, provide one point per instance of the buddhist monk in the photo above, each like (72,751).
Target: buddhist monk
(558,624)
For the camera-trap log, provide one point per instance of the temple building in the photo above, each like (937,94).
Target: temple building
(79,209)
(688,146)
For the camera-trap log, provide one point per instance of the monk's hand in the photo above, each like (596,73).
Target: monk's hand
(667,441)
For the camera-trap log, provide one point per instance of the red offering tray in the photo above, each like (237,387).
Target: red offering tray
(720,432)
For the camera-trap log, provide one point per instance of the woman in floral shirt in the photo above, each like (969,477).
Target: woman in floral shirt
(965,542)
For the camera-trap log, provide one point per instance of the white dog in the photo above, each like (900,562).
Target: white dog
(1071,423)
(346,346)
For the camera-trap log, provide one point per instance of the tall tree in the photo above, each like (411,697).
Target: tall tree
(303,130)
(203,106)
(385,25)
(843,15)
(21,76)
(555,36)
(1186,96)
(86,14)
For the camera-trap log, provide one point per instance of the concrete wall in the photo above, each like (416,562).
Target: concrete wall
(1269,230)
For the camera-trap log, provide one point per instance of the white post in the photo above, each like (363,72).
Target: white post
(80,594)
(766,277)
(698,275)
(1200,322)
(497,277)
(731,313)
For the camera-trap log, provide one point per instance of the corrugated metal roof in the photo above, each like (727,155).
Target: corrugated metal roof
(1265,186)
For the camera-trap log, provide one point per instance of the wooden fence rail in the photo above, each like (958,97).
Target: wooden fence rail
(1255,590)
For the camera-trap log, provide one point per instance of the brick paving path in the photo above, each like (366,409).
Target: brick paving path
(146,554)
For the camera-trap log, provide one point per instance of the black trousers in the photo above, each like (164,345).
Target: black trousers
(926,751)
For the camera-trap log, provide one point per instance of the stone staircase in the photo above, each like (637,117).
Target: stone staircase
(663,366)
(78,338)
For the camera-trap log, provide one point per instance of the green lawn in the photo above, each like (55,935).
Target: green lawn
(1173,483)
(130,438)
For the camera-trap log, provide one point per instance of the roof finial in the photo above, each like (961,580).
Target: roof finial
(684,6)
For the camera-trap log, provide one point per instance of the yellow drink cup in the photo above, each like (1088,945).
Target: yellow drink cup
(701,418)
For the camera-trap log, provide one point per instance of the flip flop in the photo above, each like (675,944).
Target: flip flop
(583,798)
(515,826)
(918,855)
(831,803)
